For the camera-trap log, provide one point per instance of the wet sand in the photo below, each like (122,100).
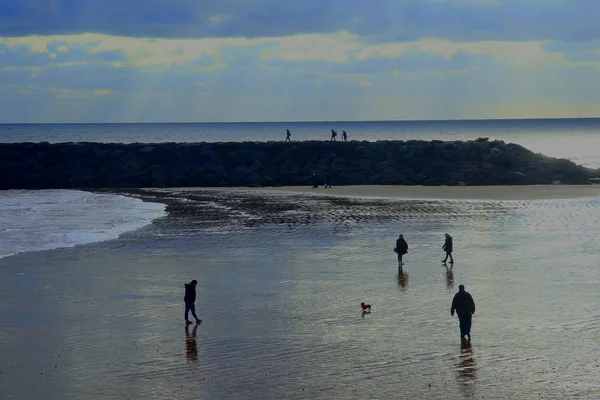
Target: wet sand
(526,192)
(280,279)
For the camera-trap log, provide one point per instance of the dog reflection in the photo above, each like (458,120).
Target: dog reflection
(191,347)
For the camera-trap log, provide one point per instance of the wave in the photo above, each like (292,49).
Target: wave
(35,220)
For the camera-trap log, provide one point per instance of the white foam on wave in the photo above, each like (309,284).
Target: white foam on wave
(34,220)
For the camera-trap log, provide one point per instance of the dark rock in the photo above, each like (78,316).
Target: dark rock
(97,165)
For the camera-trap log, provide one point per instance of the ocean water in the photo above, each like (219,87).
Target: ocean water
(575,139)
(279,296)
(34,220)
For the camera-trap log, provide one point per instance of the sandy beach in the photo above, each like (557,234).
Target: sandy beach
(526,192)
(281,274)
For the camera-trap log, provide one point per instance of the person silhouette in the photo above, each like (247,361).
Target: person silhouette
(327,180)
(447,247)
(333,135)
(401,249)
(314,179)
(190,299)
(288,134)
(344,136)
(464,305)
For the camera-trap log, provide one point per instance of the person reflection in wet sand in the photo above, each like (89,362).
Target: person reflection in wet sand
(402,278)
(449,278)
(191,347)
(466,368)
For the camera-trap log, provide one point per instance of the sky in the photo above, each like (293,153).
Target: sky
(304,60)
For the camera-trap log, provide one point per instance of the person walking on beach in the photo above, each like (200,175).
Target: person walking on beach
(447,247)
(464,306)
(190,299)
(344,136)
(287,137)
(401,249)
(333,135)
(314,177)
(327,181)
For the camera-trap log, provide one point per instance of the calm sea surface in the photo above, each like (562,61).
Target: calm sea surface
(280,306)
(576,139)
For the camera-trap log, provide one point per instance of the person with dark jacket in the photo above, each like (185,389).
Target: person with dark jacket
(447,247)
(190,299)
(464,306)
(401,249)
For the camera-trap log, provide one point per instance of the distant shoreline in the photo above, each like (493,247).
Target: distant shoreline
(306,122)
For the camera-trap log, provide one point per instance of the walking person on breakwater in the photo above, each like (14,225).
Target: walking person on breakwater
(401,249)
(464,306)
(447,247)
(333,135)
(344,136)
(287,136)
(314,178)
(327,181)
(190,299)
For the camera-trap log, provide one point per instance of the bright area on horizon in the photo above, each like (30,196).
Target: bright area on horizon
(308,60)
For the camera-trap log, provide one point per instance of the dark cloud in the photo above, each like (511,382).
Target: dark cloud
(380,20)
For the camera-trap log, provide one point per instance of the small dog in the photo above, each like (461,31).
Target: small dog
(365,307)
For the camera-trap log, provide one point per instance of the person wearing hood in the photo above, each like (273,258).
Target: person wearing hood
(190,299)
(447,247)
(401,249)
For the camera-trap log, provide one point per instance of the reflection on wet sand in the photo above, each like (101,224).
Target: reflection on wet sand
(449,278)
(191,347)
(402,279)
(467,369)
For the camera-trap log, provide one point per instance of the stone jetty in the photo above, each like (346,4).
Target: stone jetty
(233,164)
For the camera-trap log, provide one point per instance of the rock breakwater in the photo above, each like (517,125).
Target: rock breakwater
(414,162)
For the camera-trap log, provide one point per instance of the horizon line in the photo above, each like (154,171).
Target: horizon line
(302,122)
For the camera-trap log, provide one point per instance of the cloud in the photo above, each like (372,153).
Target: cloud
(382,20)
(338,47)
(258,60)
(102,92)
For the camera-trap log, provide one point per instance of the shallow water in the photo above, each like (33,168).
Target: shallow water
(281,315)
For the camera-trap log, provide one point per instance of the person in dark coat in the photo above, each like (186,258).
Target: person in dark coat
(344,136)
(333,135)
(190,299)
(447,247)
(288,134)
(327,180)
(401,249)
(314,178)
(464,306)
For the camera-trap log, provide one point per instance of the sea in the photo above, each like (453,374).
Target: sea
(91,284)
(108,216)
